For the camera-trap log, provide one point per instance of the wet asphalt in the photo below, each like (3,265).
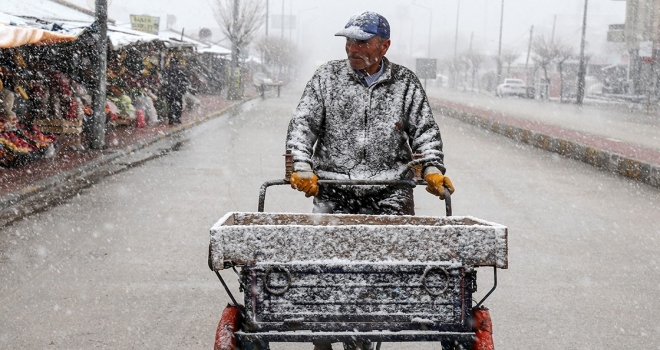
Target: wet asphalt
(122,264)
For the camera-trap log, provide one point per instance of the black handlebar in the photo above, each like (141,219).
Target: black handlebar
(411,183)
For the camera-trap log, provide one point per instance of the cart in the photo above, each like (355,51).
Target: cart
(355,278)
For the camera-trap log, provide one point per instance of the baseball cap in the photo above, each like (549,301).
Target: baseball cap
(365,26)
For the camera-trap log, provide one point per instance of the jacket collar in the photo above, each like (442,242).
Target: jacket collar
(386,76)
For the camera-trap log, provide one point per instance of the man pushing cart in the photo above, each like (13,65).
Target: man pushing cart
(363,118)
(361,270)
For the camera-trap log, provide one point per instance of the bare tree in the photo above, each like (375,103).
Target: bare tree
(251,15)
(545,52)
(278,52)
(239,21)
(564,52)
(509,56)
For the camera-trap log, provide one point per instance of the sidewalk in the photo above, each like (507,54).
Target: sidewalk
(624,142)
(17,184)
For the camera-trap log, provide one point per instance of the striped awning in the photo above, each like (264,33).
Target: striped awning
(14,36)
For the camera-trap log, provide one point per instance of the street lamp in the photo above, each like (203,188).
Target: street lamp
(582,69)
(499,50)
(100,68)
(430,23)
(453,63)
(298,20)
(458,11)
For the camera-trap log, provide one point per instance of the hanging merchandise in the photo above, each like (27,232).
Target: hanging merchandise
(19,144)
(57,100)
(63,113)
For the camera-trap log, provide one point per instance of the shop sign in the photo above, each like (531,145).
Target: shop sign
(646,49)
(147,24)
(616,33)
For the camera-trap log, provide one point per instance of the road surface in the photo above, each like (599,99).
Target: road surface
(123,264)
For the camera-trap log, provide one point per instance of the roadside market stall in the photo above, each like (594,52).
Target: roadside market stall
(213,66)
(48,79)
(50,85)
(25,95)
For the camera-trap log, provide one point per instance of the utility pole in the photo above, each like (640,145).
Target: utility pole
(529,49)
(499,50)
(100,69)
(471,39)
(430,21)
(412,32)
(282,26)
(458,11)
(232,92)
(299,25)
(430,31)
(454,73)
(263,54)
(582,70)
(554,23)
(470,63)
(651,86)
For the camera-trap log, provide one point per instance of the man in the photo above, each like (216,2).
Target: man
(176,84)
(363,118)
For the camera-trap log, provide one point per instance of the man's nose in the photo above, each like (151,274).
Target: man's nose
(352,46)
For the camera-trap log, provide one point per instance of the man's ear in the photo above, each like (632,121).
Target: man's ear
(384,47)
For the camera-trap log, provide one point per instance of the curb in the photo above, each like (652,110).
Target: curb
(631,168)
(89,168)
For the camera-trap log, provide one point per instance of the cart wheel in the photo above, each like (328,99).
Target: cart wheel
(230,322)
(483,328)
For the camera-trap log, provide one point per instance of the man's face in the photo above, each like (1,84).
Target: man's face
(363,54)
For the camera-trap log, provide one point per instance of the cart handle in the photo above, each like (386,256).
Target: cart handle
(411,183)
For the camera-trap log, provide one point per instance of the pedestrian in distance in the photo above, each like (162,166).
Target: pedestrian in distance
(176,85)
(363,118)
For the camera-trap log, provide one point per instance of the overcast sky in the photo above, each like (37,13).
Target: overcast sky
(320,19)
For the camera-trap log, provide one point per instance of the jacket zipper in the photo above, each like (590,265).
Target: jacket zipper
(369,90)
(366,120)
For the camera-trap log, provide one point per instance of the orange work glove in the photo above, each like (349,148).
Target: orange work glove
(437,183)
(305,181)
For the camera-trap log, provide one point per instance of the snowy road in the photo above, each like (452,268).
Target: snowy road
(123,265)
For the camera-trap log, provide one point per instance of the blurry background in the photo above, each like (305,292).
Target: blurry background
(310,25)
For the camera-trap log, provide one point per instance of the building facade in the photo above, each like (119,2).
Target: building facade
(642,37)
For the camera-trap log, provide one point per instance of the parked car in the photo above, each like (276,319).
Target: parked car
(441,80)
(514,87)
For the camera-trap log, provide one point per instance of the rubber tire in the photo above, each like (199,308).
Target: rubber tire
(230,322)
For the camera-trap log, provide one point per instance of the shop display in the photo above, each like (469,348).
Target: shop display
(46,98)
(19,143)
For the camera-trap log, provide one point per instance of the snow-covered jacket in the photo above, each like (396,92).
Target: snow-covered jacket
(345,130)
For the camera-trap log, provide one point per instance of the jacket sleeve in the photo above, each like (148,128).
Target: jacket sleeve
(424,133)
(305,126)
